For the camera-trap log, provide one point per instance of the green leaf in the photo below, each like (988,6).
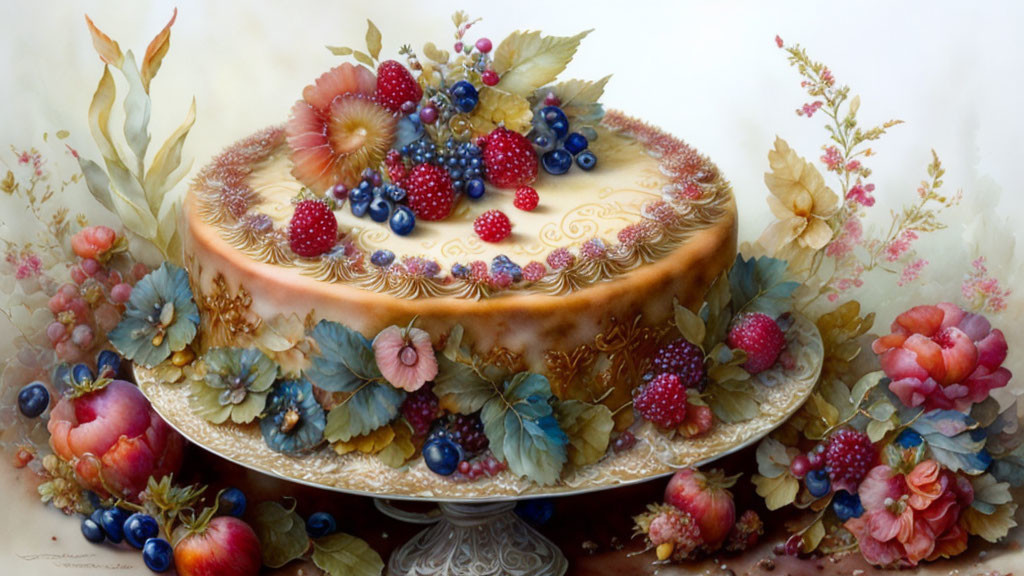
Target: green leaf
(759,285)
(523,431)
(97,182)
(463,387)
(954,440)
(1009,468)
(992,510)
(989,493)
(733,402)
(369,408)
(340,50)
(136,116)
(346,361)
(434,53)
(373,39)
(589,428)
(876,430)
(130,200)
(864,386)
(579,98)
(281,532)
(689,324)
(779,491)
(985,412)
(715,313)
(526,60)
(813,537)
(364,59)
(1005,433)
(345,555)
(163,174)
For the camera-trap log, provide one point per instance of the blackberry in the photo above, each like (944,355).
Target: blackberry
(503,265)
(682,358)
(420,409)
(848,458)
(468,432)
(462,160)
(662,401)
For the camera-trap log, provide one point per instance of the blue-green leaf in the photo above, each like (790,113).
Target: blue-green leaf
(523,431)
(346,360)
(281,532)
(369,408)
(759,285)
(464,390)
(1010,467)
(954,440)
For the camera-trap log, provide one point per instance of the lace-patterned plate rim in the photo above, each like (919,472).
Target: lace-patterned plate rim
(653,456)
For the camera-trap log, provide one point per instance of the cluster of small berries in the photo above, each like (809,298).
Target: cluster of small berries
(556,145)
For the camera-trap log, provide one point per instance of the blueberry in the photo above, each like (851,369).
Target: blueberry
(586,160)
(465,96)
(81,374)
(108,363)
(112,522)
(475,188)
(575,143)
(557,161)
(157,554)
(380,209)
(909,439)
(559,128)
(543,143)
(92,531)
(460,270)
(359,208)
(402,221)
(817,483)
(396,193)
(363,193)
(232,502)
(442,455)
(320,524)
(382,258)
(847,505)
(140,527)
(554,115)
(537,511)
(33,399)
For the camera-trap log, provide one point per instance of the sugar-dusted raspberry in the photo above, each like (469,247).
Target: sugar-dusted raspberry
(468,432)
(593,249)
(492,226)
(561,258)
(526,198)
(636,233)
(745,533)
(429,192)
(682,358)
(848,458)
(313,229)
(235,200)
(509,159)
(760,337)
(534,271)
(677,528)
(421,408)
(662,401)
(396,86)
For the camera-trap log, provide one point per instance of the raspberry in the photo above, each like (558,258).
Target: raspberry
(677,528)
(534,271)
(468,432)
(313,228)
(395,167)
(760,337)
(526,198)
(509,159)
(745,533)
(420,409)
(492,226)
(663,401)
(235,200)
(848,458)
(396,86)
(561,258)
(682,358)
(429,192)
(593,249)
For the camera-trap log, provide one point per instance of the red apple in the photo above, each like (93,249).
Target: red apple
(226,546)
(705,497)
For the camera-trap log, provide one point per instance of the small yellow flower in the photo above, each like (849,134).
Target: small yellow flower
(799,200)
(8,185)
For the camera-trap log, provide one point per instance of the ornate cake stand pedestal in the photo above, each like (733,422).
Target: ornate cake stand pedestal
(473,540)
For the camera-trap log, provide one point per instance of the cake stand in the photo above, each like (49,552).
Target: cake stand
(476,532)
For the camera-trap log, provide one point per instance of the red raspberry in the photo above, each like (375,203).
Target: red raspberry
(526,198)
(313,228)
(760,337)
(396,168)
(492,226)
(509,159)
(534,271)
(745,533)
(468,432)
(561,258)
(429,192)
(848,458)
(420,409)
(663,401)
(682,358)
(677,528)
(396,86)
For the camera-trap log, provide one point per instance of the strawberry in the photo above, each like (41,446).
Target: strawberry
(509,159)
(223,545)
(429,192)
(526,198)
(396,86)
(313,228)
(663,401)
(492,226)
(760,337)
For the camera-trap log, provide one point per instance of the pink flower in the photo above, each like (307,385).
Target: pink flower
(114,440)
(832,158)
(778,41)
(943,357)
(405,357)
(911,518)
(809,109)
(853,165)
(900,245)
(861,194)
(911,272)
(93,242)
(981,291)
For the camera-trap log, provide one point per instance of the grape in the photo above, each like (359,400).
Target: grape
(56,332)
(90,266)
(82,336)
(121,293)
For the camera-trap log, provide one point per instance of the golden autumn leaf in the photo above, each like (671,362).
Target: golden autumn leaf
(527,60)
(370,443)
(401,449)
(800,201)
(499,107)
(108,49)
(156,51)
(777,492)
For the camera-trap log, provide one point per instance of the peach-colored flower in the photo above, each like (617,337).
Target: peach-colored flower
(93,242)
(405,357)
(913,517)
(943,357)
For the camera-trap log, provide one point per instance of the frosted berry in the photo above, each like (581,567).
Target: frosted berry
(429,192)
(817,483)
(800,466)
(492,226)
(489,77)
(575,143)
(464,95)
(468,432)
(420,409)
(848,458)
(428,115)
(442,456)
(760,337)
(557,161)
(484,45)
(623,441)
(33,399)
(396,86)
(475,188)
(313,228)
(682,358)
(380,209)
(320,524)
(509,159)
(534,271)
(662,401)
(586,160)
(402,221)
(526,198)
(555,119)
(677,528)
(847,505)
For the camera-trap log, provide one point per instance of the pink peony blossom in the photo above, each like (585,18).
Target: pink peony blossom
(114,440)
(93,242)
(911,518)
(405,357)
(942,357)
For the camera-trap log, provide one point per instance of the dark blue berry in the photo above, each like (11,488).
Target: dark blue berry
(537,511)
(847,505)
(92,531)
(442,455)
(543,143)
(586,160)
(112,522)
(81,374)
(475,188)
(553,115)
(359,208)
(502,263)
(557,161)
(383,258)
(380,209)
(363,193)
(232,502)
(33,399)
(465,96)
(909,439)
(157,554)
(560,129)
(575,143)
(140,527)
(818,483)
(403,221)
(320,524)
(108,363)
(460,270)
(395,193)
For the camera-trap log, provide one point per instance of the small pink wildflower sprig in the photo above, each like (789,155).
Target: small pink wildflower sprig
(982,291)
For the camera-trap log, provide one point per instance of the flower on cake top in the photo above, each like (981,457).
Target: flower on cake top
(913,517)
(160,317)
(338,129)
(235,385)
(800,201)
(294,421)
(405,357)
(943,357)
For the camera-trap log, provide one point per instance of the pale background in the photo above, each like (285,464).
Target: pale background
(707,71)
